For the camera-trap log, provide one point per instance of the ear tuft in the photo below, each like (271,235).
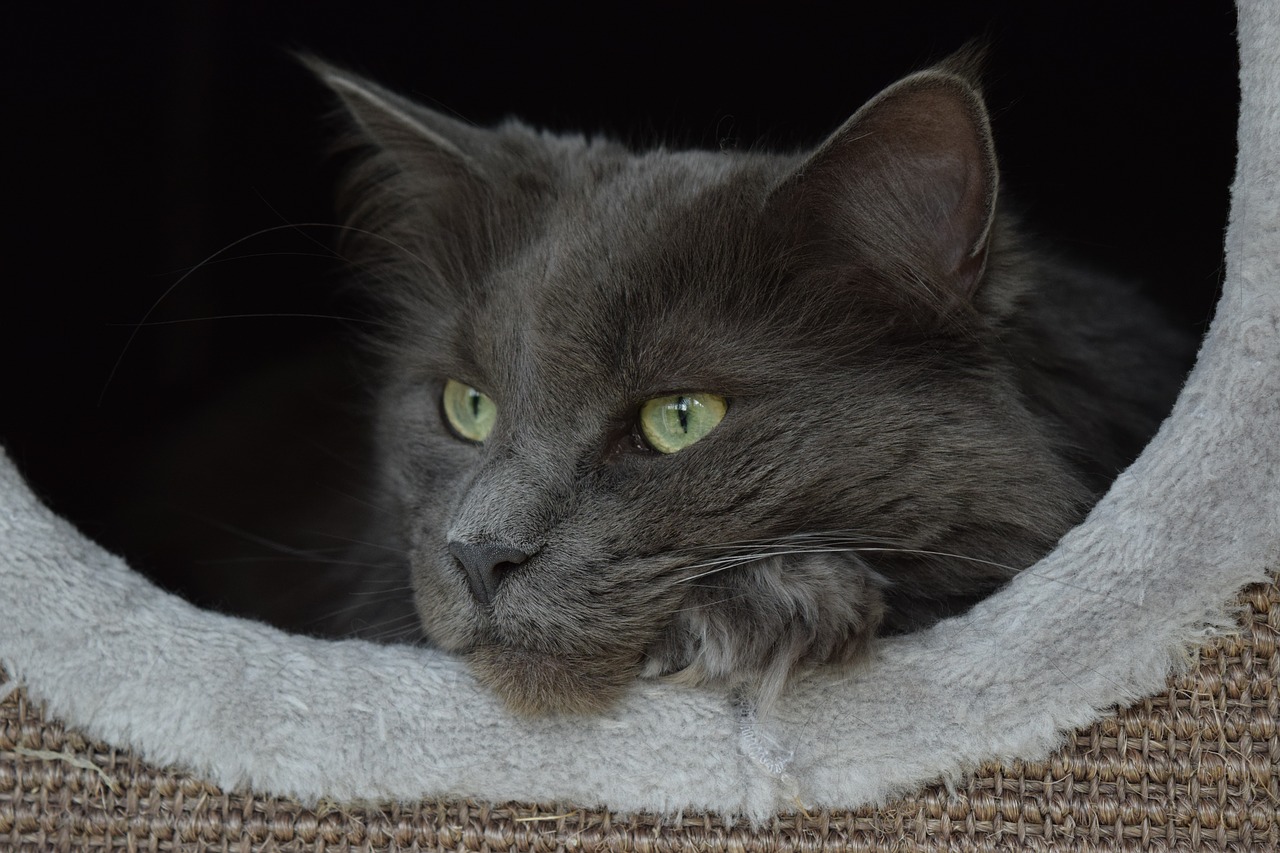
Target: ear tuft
(969,62)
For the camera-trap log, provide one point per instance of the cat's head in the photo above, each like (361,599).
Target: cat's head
(695,413)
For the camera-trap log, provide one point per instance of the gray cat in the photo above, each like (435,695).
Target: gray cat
(724,416)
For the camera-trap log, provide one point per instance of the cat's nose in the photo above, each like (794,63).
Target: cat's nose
(486,565)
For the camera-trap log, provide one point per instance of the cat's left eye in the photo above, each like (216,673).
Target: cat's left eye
(470,413)
(673,423)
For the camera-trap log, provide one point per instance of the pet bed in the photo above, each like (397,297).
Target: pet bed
(132,720)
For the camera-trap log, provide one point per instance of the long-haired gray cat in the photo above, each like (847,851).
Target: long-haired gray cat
(724,416)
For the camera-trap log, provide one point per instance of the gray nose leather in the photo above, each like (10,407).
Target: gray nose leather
(486,565)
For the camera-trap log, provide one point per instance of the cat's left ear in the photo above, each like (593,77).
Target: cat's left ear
(905,190)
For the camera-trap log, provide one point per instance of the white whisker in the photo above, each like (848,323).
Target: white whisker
(826,542)
(865,549)
(223,252)
(723,563)
(257,316)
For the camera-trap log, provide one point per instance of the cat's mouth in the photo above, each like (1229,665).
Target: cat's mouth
(757,626)
(536,683)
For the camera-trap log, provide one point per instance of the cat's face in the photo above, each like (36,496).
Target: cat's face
(694,413)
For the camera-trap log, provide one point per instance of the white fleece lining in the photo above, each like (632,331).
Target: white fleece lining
(1101,620)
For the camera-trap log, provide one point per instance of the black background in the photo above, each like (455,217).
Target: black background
(141,142)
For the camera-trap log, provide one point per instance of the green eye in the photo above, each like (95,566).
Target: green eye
(673,423)
(470,413)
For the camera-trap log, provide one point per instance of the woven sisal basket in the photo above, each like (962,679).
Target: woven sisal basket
(1196,767)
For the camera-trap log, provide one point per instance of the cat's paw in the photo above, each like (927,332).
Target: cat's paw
(758,625)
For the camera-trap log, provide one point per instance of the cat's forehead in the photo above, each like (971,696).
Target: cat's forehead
(641,279)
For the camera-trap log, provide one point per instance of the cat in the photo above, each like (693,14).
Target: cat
(722,417)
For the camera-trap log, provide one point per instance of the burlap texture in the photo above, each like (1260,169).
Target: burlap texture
(1196,767)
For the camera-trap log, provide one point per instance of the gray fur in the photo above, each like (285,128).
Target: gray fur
(921,403)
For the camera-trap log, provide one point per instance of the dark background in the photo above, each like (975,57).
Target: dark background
(141,143)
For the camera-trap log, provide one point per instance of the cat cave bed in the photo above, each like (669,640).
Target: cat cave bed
(130,719)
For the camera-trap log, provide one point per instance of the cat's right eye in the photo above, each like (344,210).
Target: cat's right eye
(469,413)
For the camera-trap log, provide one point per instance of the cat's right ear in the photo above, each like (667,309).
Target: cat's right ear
(420,187)
(419,140)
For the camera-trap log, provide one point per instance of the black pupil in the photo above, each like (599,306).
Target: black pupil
(682,411)
(474,399)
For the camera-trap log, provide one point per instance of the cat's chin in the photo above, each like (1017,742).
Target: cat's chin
(536,683)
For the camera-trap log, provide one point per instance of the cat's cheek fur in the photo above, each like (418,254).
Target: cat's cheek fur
(756,627)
